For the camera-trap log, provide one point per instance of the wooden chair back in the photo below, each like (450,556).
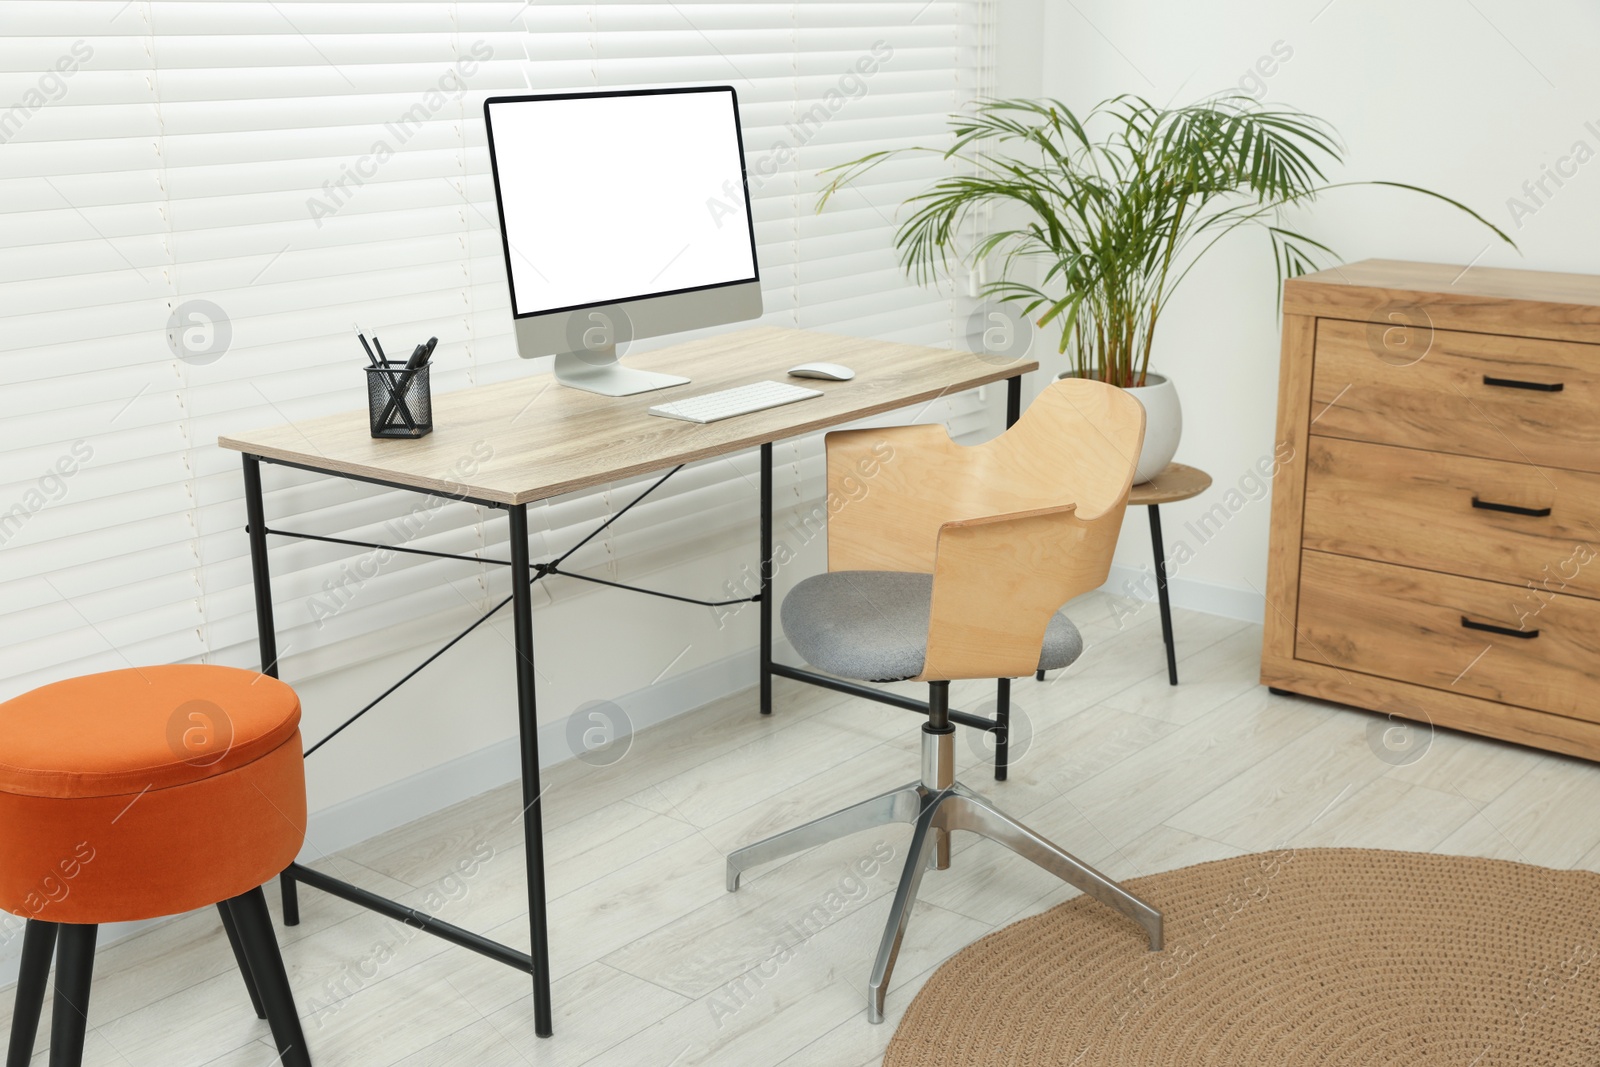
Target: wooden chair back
(1011,529)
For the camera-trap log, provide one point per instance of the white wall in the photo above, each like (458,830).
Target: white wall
(1466,98)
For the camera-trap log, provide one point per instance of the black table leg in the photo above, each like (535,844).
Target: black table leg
(33,978)
(766,579)
(1160,546)
(532,808)
(266,627)
(260,573)
(1002,729)
(1013,413)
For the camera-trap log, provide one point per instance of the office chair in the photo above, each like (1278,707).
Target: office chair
(948,562)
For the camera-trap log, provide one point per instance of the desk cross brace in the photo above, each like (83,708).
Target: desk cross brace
(540,570)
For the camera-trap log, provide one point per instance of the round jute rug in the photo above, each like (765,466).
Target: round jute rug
(1285,959)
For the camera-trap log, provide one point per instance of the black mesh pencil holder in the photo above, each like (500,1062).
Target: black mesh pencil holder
(399,401)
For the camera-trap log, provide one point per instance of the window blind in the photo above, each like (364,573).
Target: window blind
(200,199)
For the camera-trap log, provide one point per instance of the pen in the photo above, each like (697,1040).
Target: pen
(363,338)
(395,390)
(388,385)
(419,356)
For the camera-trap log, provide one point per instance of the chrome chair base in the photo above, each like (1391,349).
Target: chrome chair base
(936,806)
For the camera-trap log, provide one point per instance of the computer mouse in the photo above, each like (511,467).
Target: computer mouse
(831,372)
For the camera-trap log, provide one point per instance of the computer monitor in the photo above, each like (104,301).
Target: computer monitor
(623,214)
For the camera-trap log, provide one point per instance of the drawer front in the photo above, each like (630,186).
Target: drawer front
(1507,398)
(1428,629)
(1506,522)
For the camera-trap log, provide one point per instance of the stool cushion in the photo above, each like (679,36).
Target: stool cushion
(149,727)
(139,793)
(873,625)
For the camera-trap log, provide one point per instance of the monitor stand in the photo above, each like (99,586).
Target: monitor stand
(596,370)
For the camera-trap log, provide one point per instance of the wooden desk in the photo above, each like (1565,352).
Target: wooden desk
(544,440)
(549,440)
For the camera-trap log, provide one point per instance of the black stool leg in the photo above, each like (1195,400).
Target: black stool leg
(1002,730)
(38,942)
(69,1022)
(232,930)
(1161,593)
(289,890)
(254,924)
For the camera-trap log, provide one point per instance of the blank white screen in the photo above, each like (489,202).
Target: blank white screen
(608,198)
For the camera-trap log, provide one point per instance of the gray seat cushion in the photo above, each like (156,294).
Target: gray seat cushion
(873,625)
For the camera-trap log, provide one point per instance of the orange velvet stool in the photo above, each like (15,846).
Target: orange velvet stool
(140,793)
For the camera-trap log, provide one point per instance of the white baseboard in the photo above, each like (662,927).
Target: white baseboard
(409,799)
(1139,583)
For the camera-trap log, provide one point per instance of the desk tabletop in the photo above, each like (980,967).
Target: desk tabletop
(529,438)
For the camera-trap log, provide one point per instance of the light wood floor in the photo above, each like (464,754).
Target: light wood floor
(657,965)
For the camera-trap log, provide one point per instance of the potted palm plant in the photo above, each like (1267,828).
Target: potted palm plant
(1118,206)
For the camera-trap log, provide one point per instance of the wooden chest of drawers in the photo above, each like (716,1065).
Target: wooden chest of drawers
(1435,548)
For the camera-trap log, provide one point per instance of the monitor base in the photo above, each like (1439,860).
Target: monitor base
(593,374)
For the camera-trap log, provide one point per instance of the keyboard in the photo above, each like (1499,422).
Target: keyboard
(740,400)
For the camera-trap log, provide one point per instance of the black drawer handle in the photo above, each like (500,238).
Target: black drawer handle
(1512,383)
(1510,509)
(1504,631)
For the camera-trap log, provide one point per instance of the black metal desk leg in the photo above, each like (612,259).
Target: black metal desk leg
(260,574)
(532,809)
(1160,546)
(1002,729)
(266,628)
(766,579)
(1013,413)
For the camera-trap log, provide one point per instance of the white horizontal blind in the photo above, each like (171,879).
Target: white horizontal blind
(200,198)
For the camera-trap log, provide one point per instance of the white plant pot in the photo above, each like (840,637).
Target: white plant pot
(1163,424)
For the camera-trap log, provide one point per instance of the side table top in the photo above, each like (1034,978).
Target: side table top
(1177,482)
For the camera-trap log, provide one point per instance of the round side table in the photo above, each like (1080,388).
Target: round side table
(1177,482)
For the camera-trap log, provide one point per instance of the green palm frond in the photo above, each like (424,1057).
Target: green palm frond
(1120,202)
